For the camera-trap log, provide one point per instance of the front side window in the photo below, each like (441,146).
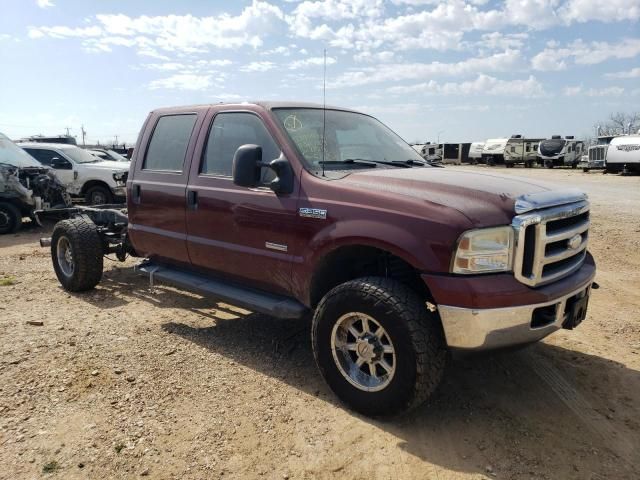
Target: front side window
(79,155)
(169,142)
(347,136)
(43,156)
(230,131)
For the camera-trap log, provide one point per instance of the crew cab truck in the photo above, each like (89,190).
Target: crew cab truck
(97,181)
(293,209)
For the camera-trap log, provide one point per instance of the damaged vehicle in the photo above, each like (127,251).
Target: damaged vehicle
(25,187)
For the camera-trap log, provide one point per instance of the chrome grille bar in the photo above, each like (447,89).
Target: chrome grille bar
(533,265)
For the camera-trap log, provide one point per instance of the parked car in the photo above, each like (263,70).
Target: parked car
(106,154)
(84,175)
(25,186)
(293,211)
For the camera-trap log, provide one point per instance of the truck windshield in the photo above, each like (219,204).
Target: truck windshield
(11,154)
(79,155)
(351,140)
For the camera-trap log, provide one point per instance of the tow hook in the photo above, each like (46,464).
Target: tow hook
(595,286)
(45,242)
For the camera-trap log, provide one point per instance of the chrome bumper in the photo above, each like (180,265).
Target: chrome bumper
(486,329)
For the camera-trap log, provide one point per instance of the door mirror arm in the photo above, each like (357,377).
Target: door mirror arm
(283,183)
(247,165)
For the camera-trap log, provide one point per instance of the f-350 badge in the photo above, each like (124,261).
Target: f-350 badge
(319,213)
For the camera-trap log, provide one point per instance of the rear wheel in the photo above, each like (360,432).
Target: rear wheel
(98,195)
(377,346)
(76,252)
(10,218)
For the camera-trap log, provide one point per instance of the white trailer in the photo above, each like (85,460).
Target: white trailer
(521,150)
(623,154)
(558,151)
(493,150)
(475,152)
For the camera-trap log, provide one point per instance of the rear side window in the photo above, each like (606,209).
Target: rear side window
(169,143)
(228,132)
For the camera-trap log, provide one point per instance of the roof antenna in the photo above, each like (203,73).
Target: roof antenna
(324,106)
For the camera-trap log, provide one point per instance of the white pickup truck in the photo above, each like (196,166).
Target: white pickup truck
(84,175)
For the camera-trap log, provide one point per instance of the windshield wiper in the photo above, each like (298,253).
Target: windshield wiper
(349,161)
(410,162)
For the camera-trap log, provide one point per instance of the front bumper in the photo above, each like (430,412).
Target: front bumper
(514,318)
(119,191)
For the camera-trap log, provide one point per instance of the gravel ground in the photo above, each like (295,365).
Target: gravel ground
(128,381)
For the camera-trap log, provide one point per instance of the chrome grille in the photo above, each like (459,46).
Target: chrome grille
(551,243)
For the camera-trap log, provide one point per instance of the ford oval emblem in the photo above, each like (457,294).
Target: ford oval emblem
(574,242)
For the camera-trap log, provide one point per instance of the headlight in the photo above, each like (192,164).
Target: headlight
(484,250)
(120,177)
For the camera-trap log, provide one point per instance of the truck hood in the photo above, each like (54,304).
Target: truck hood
(486,199)
(108,165)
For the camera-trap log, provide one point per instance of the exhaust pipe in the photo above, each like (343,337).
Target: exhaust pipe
(45,242)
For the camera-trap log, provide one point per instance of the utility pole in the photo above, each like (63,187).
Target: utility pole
(67,129)
(84,134)
(116,143)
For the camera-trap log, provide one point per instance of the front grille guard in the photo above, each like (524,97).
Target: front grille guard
(530,260)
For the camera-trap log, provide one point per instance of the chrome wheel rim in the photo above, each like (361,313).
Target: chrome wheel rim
(363,352)
(65,256)
(98,198)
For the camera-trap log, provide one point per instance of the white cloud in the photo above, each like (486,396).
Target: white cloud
(183,81)
(45,3)
(633,73)
(482,85)
(258,67)
(311,62)
(500,41)
(593,92)
(175,33)
(580,52)
(601,10)
(503,61)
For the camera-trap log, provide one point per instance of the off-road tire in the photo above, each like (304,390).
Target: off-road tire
(86,248)
(98,190)
(10,218)
(415,332)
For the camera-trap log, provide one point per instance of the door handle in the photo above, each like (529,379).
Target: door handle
(137,193)
(192,199)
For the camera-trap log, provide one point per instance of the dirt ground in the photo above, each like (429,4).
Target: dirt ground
(128,381)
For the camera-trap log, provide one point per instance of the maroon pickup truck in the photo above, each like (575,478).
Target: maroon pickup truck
(295,210)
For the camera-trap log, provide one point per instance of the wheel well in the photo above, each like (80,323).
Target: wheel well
(355,261)
(93,183)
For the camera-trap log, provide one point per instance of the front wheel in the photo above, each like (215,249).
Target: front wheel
(98,195)
(10,218)
(377,346)
(76,252)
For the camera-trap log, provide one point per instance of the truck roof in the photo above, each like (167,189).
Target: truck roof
(268,105)
(59,146)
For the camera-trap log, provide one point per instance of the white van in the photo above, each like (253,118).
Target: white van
(624,154)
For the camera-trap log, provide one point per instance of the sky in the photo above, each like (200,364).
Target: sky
(453,70)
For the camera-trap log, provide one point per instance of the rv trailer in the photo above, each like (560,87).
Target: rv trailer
(493,151)
(558,151)
(623,154)
(431,152)
(521,150)
(455,153)
(475,152)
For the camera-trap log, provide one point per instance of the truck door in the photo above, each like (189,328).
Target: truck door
(244,234)
(156,191)
(63,167)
